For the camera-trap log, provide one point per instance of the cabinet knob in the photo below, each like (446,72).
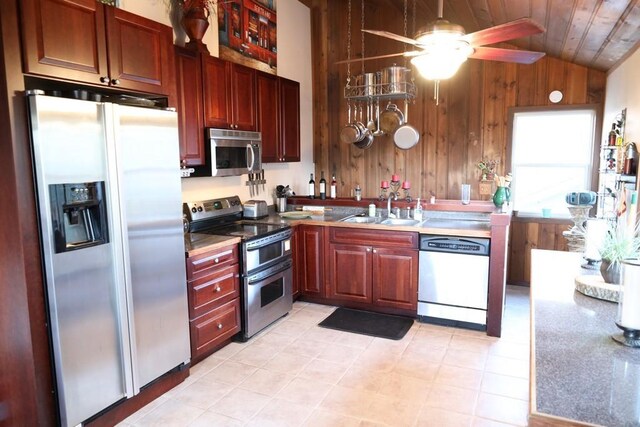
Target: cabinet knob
(219,325)
(217,289)
(374,251)
(368,249)
(104,79)
(115,82)
(217,260)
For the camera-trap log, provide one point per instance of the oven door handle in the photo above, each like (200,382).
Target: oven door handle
(269,273)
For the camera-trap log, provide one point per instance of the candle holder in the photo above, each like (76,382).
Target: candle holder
(395,186)
(628,337)
(407,196)
(383,194)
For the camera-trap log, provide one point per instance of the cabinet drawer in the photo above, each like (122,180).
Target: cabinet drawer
(200,265)
(211,290)
(403,239)
(211,329)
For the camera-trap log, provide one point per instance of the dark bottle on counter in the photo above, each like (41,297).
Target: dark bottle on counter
(332,192)
(613,135)
(312,188)
(323,186)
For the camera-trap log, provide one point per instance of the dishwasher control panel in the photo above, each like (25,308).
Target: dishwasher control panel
(452,244)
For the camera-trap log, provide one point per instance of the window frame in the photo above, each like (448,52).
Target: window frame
(597,110)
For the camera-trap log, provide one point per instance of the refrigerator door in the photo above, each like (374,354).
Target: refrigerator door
(83,288)
(146,146)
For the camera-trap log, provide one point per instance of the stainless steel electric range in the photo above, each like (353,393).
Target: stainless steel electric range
(266,264)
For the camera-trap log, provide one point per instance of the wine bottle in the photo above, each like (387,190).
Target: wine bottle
(332,192)
(312,188)
(613,135)
(323,186)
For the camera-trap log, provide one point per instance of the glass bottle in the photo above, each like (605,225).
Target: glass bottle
(312,188)
(323,186)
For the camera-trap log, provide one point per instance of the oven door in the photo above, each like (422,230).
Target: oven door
(268,297)
(266,251)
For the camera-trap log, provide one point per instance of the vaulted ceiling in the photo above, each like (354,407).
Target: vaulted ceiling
(594,33)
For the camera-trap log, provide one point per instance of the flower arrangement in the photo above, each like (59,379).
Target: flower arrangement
(503,180)
(488,169)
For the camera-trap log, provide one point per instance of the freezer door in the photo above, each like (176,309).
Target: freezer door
(82,285)
(146,145)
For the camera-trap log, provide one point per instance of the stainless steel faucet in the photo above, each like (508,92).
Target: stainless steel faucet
(395,197)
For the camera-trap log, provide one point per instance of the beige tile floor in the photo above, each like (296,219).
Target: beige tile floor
(298,374)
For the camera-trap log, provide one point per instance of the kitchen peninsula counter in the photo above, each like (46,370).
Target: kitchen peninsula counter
(579,374)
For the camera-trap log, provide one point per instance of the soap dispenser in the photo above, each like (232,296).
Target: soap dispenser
(417,212)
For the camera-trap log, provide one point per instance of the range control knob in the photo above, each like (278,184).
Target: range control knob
(199,208)
(194,210)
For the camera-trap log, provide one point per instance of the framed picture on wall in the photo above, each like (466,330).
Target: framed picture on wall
(247,32)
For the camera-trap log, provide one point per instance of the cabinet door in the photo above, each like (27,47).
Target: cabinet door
(268,104)
(349,273)
(243,103)
(216,92)
(290,120)
(395,278)
(311,261)
(64,39)
(140,53)
(190,121)
(295,255)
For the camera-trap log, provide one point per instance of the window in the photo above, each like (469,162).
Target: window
(551,155)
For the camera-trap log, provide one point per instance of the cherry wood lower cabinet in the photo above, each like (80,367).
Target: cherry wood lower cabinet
(310,262)
(374,270)
(213,282)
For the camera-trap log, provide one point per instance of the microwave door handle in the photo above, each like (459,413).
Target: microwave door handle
(250,151)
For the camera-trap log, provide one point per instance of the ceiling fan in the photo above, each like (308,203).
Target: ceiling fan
(443,46)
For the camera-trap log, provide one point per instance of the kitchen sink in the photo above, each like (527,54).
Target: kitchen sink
(400,221)
(361,219)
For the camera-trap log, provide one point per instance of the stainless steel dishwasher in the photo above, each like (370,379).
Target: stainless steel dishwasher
(453,280)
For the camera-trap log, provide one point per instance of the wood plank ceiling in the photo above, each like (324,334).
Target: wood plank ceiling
(594,33)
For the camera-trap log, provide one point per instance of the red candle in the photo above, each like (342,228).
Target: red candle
(395,178)
(406,185)
(384,184)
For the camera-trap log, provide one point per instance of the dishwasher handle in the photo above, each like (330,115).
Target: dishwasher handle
(457,245)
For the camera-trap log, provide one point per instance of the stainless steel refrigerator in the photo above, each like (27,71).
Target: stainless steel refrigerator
(110,210)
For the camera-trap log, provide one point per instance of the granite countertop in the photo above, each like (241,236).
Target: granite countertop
(197,243)
(578,371)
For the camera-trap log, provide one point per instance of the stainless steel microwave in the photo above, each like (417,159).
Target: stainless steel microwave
(231,153)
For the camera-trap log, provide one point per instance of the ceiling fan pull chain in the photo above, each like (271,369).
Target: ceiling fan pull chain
(362,34)
(349,44)
(436,91)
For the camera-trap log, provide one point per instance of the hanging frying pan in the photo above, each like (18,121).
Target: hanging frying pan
(406,136)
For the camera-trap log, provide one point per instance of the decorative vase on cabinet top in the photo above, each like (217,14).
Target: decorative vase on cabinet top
(502,194)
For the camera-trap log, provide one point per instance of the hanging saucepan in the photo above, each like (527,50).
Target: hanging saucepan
(351,132)
(367,136)
(391,119)
(394,79)
(406,136)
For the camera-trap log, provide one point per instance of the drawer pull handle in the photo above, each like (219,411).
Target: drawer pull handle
(218,289)
(217,260)
(374,251)
(219,325)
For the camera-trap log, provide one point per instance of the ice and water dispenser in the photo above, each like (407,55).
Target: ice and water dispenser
(78,215)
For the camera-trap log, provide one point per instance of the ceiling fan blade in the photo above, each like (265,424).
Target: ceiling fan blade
(390,55)
(393,36)
(511,30)
(506,55)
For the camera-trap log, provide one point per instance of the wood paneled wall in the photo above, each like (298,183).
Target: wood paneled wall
(468,125)
(531,233)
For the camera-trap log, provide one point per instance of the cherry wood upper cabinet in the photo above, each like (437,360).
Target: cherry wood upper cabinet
(229,95)
(290,120)
(268,104)
(89,42)
(279,118)
(190,118)
(140,52)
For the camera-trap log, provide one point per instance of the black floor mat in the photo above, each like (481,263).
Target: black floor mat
(368,323)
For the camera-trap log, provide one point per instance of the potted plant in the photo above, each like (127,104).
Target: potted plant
(619,244)
(488,169)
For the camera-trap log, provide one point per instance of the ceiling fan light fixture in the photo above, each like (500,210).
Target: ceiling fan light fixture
(438,30)
(443,61)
